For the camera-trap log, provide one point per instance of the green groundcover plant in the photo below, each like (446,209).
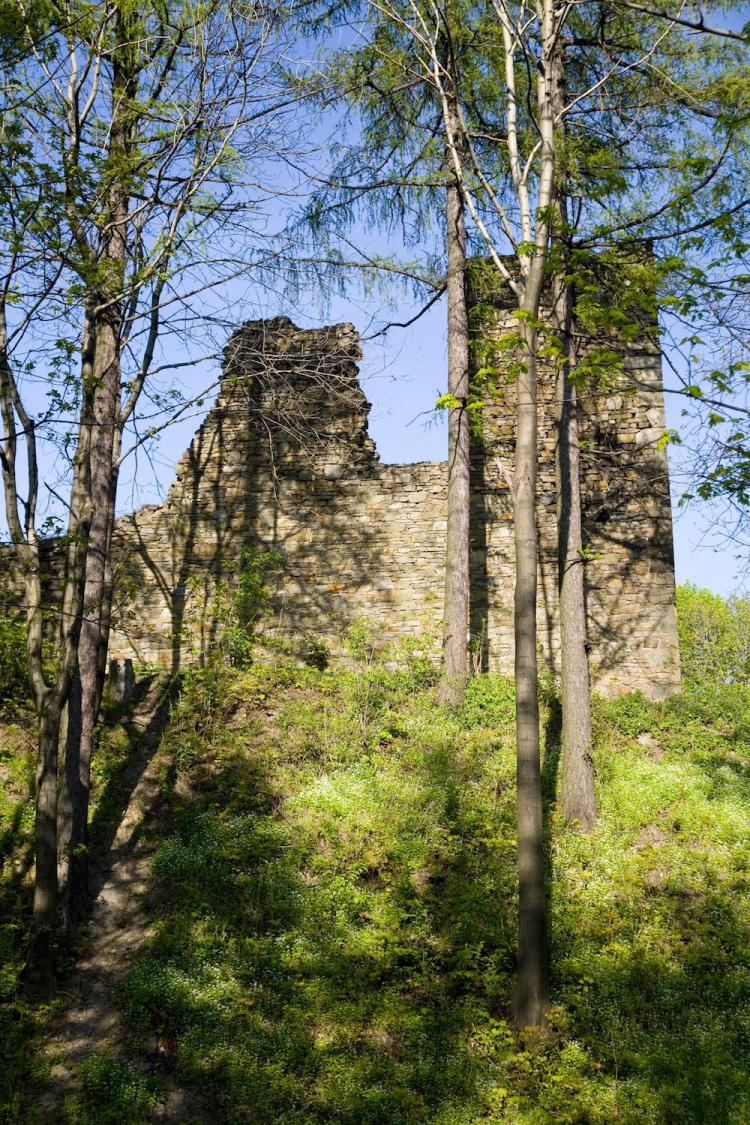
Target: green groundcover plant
(334,910)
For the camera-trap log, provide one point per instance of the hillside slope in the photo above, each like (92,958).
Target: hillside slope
(328,931)
(332,906)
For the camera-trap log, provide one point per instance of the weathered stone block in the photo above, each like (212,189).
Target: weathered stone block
(284,462)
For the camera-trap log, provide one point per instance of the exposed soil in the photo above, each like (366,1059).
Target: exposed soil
(118,926)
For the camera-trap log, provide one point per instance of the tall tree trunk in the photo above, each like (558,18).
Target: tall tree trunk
(577,796)
(107,315)
(67,799)
(81,513)
(86,696)
(48,696)
(45,877)
(532,990)
(456,609)
(532,984)
(50,699)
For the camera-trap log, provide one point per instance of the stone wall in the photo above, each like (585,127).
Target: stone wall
(283,462)
(628,544)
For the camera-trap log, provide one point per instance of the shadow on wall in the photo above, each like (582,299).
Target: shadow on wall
(627,551)
(284,463)
(171,558)
(630,588)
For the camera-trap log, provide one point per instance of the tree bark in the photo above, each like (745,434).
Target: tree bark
(70,738)
(40,965)
(107,318)
(456,668)
(532,983)
(45,883)
(577,797)
(49,699)
(80,506)
(86,694)
(532,990)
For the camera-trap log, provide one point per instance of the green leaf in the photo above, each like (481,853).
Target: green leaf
(448,402)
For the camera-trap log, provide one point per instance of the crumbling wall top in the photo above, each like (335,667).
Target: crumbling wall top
(299,388)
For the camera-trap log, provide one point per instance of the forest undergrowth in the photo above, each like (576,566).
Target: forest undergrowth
(333,893)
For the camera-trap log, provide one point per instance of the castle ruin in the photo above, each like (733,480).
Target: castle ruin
(283,462)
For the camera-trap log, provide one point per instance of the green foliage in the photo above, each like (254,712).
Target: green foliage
(23,1066)
(412,657)
(335,907)
(20,1022)
(252,592)
(335,998)
(313,651)
(334,910)
(227,617)
(448,402)
(714,637)
(490,701)
(14,685)
(17,769)
(113,1093)
(361,640)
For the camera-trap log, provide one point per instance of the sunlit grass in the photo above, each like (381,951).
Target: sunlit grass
(334,898)
(335,905)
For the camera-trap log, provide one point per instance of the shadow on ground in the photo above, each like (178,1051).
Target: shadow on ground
(330,914)
(335,888)
(330,928)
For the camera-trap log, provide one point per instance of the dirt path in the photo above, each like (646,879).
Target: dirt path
(119,925)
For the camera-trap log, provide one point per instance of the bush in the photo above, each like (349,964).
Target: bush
(13,676)
(714,636)
(490,701)
(226,616)
(250,602)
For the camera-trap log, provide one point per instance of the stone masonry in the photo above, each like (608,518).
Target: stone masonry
(283,462)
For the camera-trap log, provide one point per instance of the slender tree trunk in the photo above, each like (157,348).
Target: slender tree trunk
(88,687)
(82,713)
(532,984)
(45,883)
(532,990)
(456,610)
(50,699)
(84,707)
(107,315)
(81,512)
(577,796)
(70,737)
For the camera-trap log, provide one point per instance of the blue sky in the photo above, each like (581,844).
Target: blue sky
(418,356)
(402,375)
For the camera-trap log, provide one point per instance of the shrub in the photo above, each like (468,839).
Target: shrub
(714,636)
(227,616)
(490,701)
(250,601)
(13,676)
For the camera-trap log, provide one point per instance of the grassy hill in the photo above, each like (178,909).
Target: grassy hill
(333,899)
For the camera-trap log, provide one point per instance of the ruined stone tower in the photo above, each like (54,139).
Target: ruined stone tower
(283,462)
